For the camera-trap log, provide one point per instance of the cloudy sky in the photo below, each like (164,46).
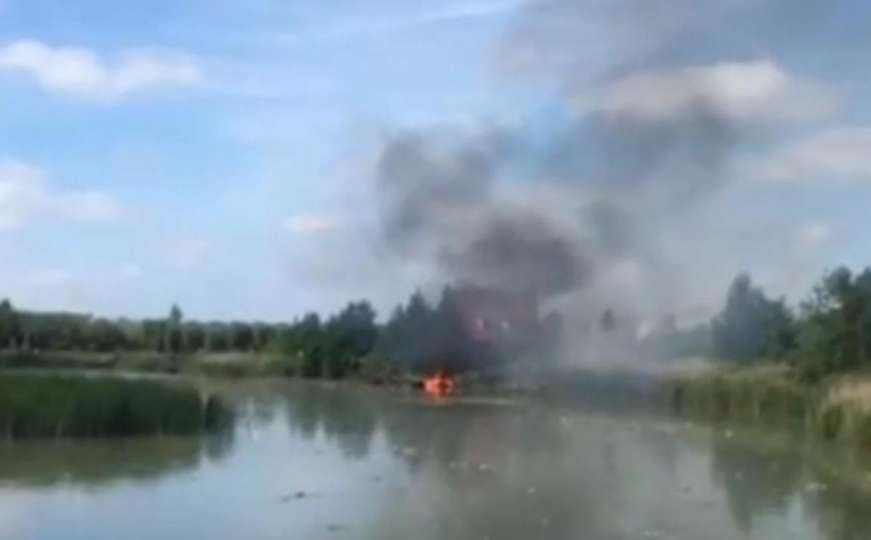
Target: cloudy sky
(225,155)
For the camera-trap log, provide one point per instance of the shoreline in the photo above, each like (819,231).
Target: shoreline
(836,409)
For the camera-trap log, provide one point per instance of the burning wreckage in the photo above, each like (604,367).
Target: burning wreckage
(484,330)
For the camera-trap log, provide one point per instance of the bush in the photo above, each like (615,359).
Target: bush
(832,422)
(66,406)
(863,430)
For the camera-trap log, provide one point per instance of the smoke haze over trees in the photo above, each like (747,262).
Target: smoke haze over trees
(598,201)
(472,329)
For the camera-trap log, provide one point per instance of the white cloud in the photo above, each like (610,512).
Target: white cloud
(736,90)
(310,224)
(812,236)
(25,195)
(88,206)
(834,154)
(52,277)
(188,253)
(81,73)
(130,271)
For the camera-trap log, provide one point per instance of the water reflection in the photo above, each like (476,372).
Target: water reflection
(756,483)
(843,512)
(96,463)
(330,461)
(491,469)
(346,418)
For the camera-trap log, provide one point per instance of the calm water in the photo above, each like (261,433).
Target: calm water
(310,462)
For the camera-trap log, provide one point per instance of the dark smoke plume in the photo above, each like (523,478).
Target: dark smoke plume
(519,252)
(440,201)
(655,100)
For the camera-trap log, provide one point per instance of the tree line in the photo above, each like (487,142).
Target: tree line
(321,347)
(828,332)
(419,336)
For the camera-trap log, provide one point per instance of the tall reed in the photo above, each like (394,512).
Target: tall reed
(34,405)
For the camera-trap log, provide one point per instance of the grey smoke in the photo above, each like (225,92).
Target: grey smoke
(605,193)
(439,199)
(520,252)
(568,39)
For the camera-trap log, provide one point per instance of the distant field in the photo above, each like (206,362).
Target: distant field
(231,363)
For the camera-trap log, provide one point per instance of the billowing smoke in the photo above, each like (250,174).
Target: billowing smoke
(599,201)
(441,202)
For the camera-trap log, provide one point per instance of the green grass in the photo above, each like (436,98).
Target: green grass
(70,406)
(831,409)
(57,359)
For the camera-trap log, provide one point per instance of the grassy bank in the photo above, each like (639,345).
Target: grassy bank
(70,406)
(232,365)
(219,364)
(838,408)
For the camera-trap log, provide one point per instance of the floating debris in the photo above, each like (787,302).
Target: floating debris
(815,487)
(296,495)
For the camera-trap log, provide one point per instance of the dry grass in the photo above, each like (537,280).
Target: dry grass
(854,393)
(839,409)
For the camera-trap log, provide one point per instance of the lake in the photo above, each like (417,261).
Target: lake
(314,461)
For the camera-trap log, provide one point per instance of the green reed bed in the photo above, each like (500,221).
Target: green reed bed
(837,409)
(69,406)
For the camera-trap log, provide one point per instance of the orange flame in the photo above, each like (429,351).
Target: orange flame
(438,385)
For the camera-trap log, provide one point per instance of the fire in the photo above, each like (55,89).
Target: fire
(438,385)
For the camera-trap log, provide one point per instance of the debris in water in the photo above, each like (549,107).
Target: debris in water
(409,452)
(729,434)
(531,491)
(815,487)
(296,495)
(335,528)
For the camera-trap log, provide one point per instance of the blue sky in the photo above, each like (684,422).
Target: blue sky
(219,154)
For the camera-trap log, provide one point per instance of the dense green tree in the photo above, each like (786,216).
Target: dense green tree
(173,335)
(348,336)
(752,326)
(8,324)
(317,348)
(836,331)
(216,338)
(195,336)
(104,336)
(241,336)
